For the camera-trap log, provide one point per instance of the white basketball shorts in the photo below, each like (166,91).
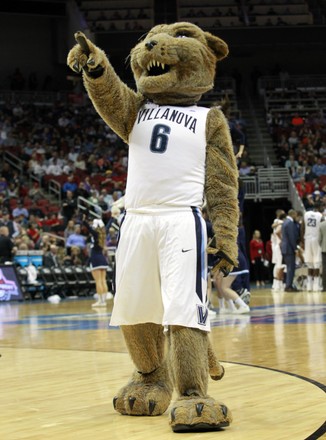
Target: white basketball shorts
(277,257)
(161,269)
(312,253)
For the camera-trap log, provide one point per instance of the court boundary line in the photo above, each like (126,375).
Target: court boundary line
(322,429)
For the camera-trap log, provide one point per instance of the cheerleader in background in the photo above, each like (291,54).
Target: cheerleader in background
(98,262)
(229,300)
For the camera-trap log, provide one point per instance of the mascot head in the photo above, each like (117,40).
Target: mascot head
(175,63)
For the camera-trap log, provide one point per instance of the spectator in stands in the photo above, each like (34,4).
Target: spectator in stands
(8,172)
(76,239)
(299,174)
(81,191)
(75,258)
(33,231)
(3,186)
(93,198)
(23,239)
(317,197)
(302,187)
(51,223)
(45,243)
(54,168)
(10,224)
(308,202)
(115,218)
(73,154)
(12,191)
(51,258)
(292,164)
(20,211)
(107,197)
(37,166)
(293,139)
(70,185)
(69,167)
(69,206)
(35,192)
(244,168)
(87,184)
(6,245)
(91,165)
(322,150)
(64,120)
(319,168)
(309,174)
(323,192)
(80,163)
(101,203)
(297,120)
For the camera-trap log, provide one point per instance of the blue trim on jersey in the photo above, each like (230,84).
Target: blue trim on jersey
(200,248)
(122,220)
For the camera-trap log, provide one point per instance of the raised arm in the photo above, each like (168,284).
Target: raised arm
(115,102)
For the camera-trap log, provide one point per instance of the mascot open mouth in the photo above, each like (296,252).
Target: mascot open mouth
(155,68)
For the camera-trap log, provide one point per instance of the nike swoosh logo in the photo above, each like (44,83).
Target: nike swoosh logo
(186,250)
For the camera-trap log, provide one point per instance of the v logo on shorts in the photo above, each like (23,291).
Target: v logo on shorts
(186,250)
(202,314)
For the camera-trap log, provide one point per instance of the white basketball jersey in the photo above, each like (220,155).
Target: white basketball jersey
(312,221)
(275,239)
(167,154)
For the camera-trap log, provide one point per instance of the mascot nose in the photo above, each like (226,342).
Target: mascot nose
(151,44)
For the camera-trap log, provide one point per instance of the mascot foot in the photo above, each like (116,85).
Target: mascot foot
(199,414)
(144,396)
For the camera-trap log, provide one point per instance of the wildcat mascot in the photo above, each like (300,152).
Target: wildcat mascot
(179,155)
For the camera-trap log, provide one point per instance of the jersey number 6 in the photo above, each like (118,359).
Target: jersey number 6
(160,138)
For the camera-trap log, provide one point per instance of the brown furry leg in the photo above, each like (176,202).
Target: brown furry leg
(216,370)
(149,390)
(194,410)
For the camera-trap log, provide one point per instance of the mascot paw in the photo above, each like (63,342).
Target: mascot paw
(85,55)
(199,414)
(143,398)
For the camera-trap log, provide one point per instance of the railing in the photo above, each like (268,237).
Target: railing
(295,198)
(269,183)
(92,209)
(272,183)
(33,97)
(54,189)
(302,82)
(14,161)
(34,178)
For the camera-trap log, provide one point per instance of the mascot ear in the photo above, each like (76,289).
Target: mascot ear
(218,46)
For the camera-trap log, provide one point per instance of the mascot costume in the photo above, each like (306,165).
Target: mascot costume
(179,155)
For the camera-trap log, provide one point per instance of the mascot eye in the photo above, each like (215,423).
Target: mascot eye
(182,35)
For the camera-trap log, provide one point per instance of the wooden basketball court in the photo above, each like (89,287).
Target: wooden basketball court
(61,366)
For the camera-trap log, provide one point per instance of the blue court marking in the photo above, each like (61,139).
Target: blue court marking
(265,315)
(279,314)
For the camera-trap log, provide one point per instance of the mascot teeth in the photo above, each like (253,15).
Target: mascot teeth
(156,68)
